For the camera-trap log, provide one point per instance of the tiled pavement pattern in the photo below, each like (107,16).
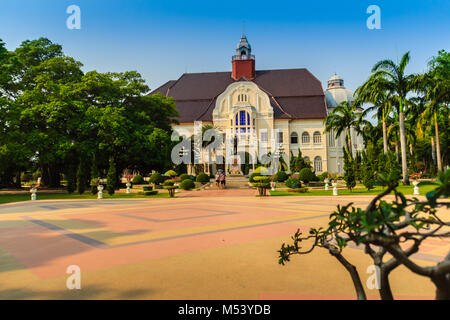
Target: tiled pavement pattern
(189,247)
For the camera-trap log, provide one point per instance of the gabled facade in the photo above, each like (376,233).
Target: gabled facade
(246,101)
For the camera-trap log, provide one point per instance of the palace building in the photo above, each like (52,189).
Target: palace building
(290,102)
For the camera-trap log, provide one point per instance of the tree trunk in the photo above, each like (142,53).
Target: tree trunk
(403,148)
(433,151)
(18,180)
(45,177)
(385,146)
(360,293)
(438,147)
(385,287)
(396,151)
(349,142)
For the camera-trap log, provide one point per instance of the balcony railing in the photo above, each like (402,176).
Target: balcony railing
(244,57)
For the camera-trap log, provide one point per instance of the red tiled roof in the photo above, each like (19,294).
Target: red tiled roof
(294,93)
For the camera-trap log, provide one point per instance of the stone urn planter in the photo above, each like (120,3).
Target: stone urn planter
(335,190)
(33,193)
(128,187)
(100,191)
(326,183)
(416,187)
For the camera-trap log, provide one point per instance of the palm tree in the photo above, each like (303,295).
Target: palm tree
(341,119)
(390,76)
(381,101)
(435,87)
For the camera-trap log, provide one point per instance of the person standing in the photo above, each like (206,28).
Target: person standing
(217,177)
(222,180)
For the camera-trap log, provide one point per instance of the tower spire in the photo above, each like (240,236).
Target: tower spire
(243,61)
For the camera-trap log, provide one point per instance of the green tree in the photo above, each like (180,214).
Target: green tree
(368,171)
(435,88)
(390,76)
(297,163)
(342,119)
(396,227)
(349,169)
(81,178)
(381,101)
(111,178)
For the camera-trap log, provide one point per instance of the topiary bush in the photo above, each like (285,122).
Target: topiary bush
(138,179)
(323,176)
(251,178)
(306,175)
(298,190)
(156,178)
(262,171)
(171,173)
(262,183)
(187,184)
(148,193)
(293,183)
(280,176)
(169,185)
(94,183)
(184,176)
(203,178)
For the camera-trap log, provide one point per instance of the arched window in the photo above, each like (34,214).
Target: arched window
(317,137)
(317,164)
(306,159)
(305,137)
(294,138)
(242,122)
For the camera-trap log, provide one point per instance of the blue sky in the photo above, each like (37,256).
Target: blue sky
(164,39)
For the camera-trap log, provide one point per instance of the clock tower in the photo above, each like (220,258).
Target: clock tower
(243,62)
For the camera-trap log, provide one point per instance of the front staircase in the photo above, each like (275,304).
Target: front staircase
(237,182)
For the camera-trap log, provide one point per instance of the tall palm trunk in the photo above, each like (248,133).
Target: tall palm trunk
(396,150)
(349,142)
(403,148)
(438,147)
(385,146)
(433,151)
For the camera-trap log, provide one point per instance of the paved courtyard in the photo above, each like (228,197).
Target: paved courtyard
(190,247)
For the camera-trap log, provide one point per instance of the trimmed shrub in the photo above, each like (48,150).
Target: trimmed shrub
(251,178)
(171,173)
(156,178)
(138,179)
(203,178)
(94,184)
(185,176)
(169,186)
(323,176)
(262,171)
(187,184)
(280,176)
(306,175)
(262,183)
(298,190)
(169,183)
(148,193)
(293,183)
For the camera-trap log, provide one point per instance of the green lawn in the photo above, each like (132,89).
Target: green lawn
(423,189)
(6,198)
